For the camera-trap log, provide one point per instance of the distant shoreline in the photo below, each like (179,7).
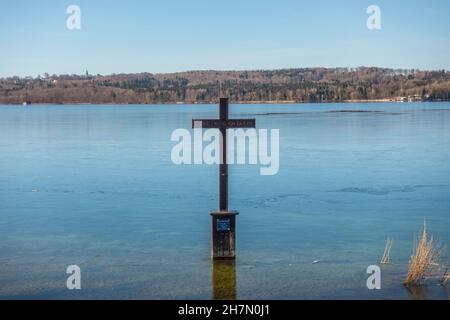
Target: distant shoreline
(283,86)
(212,102)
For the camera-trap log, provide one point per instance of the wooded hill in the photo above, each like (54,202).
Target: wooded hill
(286,85)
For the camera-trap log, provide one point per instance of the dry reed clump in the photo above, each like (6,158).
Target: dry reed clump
(422,260)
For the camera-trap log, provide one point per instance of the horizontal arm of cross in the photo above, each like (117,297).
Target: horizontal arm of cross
(230,123)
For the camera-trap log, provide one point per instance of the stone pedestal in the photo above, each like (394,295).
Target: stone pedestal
(223,241)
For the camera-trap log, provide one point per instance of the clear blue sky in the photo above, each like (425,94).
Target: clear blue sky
(175,35)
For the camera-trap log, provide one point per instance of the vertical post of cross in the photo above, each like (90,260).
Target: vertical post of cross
(223,167)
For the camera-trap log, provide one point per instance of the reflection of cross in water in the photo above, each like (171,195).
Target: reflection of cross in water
(224,280)
(223,221)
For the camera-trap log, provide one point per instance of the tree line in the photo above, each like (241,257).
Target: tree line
(286,85)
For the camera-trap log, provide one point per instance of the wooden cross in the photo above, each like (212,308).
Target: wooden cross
(223,124)
(223,244)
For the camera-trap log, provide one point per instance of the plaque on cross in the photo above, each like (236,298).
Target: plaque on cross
(223,239)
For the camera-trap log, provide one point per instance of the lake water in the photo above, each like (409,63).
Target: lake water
(95,186)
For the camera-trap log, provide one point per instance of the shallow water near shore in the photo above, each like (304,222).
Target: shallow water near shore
(94,185)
